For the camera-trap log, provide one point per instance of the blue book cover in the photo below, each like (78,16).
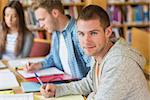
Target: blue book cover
(138,14)
(30,87)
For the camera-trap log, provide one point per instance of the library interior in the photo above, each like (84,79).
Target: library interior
(130,20)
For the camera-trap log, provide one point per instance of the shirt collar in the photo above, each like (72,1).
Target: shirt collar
(69,25)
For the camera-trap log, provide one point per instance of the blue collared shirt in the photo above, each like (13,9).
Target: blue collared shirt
(79,62)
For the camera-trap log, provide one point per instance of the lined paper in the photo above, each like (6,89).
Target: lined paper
(28,96)
(7,80)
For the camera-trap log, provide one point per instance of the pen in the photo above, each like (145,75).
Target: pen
(37,77)
(19,68)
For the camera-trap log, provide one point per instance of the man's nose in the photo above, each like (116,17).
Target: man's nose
(87,38)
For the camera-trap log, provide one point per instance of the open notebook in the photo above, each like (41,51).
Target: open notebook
(7,80)
(43,72)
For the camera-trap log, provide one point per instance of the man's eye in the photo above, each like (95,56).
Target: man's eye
(81,34)
(93,33)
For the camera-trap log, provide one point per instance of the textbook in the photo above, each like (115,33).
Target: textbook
(7,80)
(53,78)
(43,72)
(30,87)
(47,75)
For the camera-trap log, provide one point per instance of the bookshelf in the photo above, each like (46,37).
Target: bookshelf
(72,7)
(2,4)
(126,14)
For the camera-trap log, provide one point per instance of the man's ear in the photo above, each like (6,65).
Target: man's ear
(55,12)
(108,31)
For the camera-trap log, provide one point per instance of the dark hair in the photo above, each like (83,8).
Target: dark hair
(49,5)
(95,12)
(21,24)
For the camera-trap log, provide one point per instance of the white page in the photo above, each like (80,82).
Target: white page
(2,65)
(69,97)
(44,72)
(28,96)
(7,80)
(22,62)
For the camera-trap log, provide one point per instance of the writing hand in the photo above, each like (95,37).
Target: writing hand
(48,90)
(32,67)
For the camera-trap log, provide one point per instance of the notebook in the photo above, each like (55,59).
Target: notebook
(22,62)
(26,96)
(43,72)
(7,92)
(53,78)
(30,86)
(7,80)
(2,65)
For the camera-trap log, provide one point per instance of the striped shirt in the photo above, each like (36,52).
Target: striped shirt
(10,47)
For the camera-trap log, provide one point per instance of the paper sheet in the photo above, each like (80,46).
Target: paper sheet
(28,96)
(7,80)
(70,97)
(2,65)
(22,62)
(44,72)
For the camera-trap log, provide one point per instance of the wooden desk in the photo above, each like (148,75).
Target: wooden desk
(18,90)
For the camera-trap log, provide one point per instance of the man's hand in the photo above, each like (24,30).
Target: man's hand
(48,90)
(32,67)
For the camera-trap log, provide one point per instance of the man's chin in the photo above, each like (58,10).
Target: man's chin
(88,53)
(49,31)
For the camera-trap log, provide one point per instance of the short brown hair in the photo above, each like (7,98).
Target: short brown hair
(95,12)
(49,5)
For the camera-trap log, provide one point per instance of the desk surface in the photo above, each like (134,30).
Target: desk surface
(18,90)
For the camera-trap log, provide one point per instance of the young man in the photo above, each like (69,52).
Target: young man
(66,53)
(117,72)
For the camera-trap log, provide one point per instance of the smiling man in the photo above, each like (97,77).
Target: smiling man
(117,72)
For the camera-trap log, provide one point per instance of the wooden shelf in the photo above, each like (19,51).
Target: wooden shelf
(137,24)
(74,4)
(117,25)
(42,40)
(25,6)
(65,4)
(131,24)
(32,28)
(129,3)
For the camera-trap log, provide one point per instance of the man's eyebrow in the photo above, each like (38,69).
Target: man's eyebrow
(94,30)
(79,31)
(40,19)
